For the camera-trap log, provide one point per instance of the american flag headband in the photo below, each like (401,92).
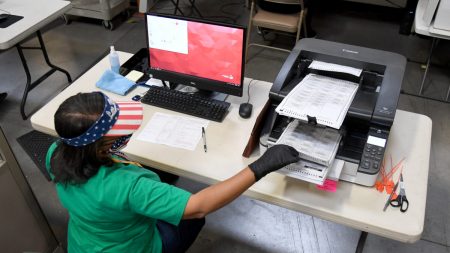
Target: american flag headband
(103,124)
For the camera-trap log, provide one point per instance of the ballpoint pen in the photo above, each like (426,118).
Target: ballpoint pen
(204,139)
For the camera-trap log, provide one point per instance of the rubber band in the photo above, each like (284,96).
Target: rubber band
(386,182)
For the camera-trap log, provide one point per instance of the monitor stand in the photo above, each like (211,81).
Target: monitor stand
(203,93)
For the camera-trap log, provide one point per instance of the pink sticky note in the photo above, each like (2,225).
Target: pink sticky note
(328,185)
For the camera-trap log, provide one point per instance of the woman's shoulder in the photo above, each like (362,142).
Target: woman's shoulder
(52,148)
(126,172)
(119,179)
(48,157)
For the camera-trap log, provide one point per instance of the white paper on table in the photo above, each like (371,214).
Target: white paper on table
(172,130)
(154,82)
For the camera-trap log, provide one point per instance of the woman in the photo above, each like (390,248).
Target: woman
(116,205)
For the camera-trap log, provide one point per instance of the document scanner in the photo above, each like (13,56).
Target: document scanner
(366,126)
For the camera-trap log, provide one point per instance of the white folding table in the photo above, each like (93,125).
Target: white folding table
(36,14)
(356,206)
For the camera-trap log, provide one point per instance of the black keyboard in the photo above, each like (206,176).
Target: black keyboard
(191,104)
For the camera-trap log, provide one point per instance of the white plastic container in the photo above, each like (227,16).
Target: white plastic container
(114,60)
(263,143)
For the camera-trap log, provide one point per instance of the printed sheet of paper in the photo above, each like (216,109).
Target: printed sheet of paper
(315,144)
(172,130)
(312,172)
(325,98)
(320,65)
(306,171)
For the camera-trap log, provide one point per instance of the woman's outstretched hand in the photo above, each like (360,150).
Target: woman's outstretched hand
(273,159)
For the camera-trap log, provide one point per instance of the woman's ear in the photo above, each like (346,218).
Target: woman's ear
(104,146)
(102,152)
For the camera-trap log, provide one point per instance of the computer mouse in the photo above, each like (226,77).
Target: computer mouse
(3,16)
(245,110)
(136,98)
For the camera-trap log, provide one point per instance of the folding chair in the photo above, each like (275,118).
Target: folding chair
(277,22)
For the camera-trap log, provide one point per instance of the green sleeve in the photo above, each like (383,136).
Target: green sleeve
(158,200)
(48,158)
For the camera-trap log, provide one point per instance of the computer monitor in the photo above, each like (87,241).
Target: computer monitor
(203,54)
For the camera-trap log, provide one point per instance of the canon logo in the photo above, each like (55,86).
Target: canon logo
(349,51)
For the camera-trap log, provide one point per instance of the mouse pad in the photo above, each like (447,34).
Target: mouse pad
(11,19)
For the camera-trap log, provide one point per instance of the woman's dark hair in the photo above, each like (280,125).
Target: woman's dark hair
(75,165)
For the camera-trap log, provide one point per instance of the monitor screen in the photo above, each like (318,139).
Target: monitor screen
(198,53)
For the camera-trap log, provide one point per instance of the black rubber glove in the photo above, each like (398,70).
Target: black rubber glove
(273,159)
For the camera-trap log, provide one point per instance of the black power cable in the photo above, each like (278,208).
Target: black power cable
(248,90)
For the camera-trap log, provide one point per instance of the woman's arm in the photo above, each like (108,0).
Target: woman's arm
(220,194)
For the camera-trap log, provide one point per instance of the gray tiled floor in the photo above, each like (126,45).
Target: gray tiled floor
(248,225)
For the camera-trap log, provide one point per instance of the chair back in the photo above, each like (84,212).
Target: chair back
(296,2)
(284,22)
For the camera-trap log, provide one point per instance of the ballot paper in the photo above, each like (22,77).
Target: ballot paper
(324,98)
(172,130)
(306,171)
(315,144)
(317,147)
(311,172)
(325,66)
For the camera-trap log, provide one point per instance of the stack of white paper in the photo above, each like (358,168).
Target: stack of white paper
(306,171)
(313,172)
(320,65)
(325,98)
(317,146)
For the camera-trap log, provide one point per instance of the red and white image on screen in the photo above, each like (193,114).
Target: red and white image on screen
(197,49)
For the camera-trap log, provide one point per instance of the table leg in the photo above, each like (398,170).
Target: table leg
(433,44)
(29,86)
(361,242)
(448,92)
(176,7)
(192,2)
(195,8)
(146,5)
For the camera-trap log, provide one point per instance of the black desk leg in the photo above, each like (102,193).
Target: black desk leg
(177,8)
(361,242)
(195,8)
(192,2)
(29,86)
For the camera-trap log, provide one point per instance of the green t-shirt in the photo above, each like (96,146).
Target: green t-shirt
(116,210)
